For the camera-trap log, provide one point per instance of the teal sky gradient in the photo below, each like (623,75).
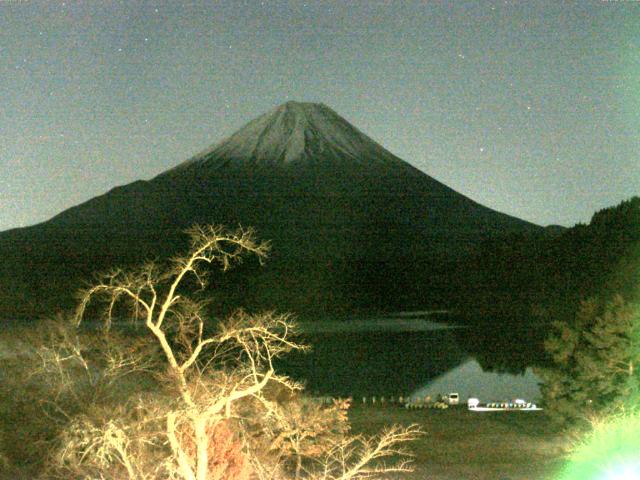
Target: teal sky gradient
(530,108)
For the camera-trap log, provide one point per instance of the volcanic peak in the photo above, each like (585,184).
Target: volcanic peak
(294,133)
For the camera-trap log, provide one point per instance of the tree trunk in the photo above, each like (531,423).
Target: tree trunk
(202,448)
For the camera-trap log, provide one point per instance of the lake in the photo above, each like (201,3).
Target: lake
(407,355)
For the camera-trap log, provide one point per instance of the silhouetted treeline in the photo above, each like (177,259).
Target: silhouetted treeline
(545,275)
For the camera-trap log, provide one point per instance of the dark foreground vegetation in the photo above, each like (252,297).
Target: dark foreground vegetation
(459,444)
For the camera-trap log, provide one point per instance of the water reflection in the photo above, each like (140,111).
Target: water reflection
(403,356)
(470,380)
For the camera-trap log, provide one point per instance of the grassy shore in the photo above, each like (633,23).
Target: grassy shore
(458,445)
(463,445)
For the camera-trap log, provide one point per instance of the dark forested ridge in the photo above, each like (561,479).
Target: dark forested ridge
(534,275)
(518,286)
(546,274)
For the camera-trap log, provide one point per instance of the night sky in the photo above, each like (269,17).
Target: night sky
(531,108)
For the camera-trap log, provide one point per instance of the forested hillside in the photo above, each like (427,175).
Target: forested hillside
(545,275)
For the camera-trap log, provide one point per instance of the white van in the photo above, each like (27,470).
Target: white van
(453,399)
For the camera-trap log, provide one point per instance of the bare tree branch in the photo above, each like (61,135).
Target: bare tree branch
(210,378)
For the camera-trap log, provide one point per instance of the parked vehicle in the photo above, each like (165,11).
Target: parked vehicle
(473,403)
(452,399)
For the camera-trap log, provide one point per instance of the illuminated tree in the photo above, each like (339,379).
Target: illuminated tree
(212,413)
(595,361)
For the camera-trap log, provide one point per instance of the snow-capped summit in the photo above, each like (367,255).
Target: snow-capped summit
(295,133)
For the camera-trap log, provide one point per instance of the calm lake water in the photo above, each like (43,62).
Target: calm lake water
(410,355)
(405,354)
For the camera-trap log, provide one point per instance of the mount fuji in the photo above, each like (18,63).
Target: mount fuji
(352,226)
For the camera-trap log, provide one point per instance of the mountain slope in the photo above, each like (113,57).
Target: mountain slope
(352,225)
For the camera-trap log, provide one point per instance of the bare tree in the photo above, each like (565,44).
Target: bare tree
(360,457)
(197,426)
